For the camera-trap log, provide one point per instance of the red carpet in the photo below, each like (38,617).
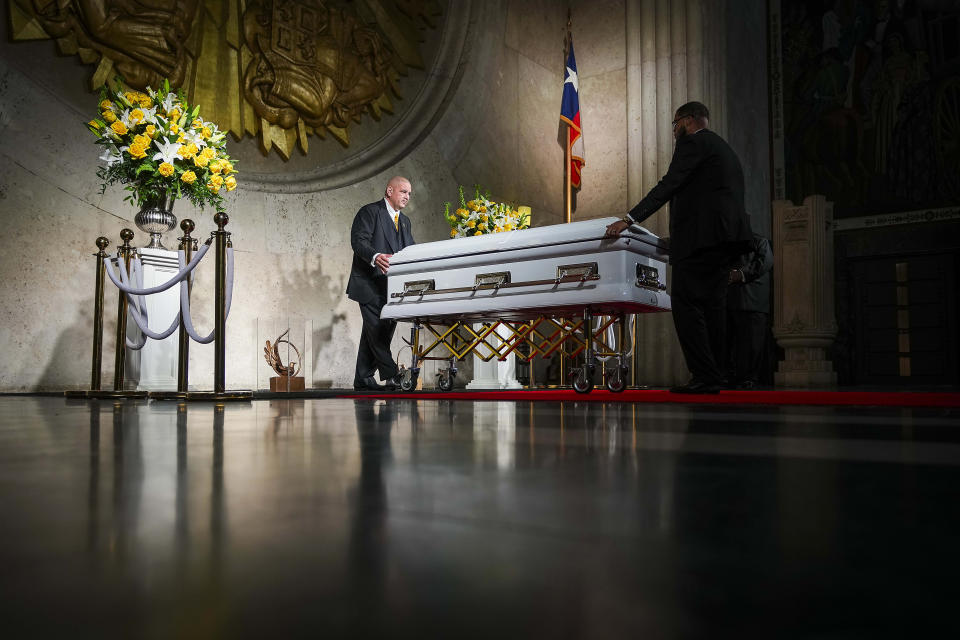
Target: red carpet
(833,398)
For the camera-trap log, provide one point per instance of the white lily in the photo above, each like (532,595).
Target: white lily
(191,135)
(110,156)
(168,151)
(168,102)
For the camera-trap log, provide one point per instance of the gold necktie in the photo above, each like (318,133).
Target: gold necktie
(396,222)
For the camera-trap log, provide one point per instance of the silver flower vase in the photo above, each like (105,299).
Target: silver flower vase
(156,218)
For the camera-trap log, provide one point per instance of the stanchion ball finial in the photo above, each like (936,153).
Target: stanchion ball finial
(221,218)
(186,225)
(126,235)
(103,243)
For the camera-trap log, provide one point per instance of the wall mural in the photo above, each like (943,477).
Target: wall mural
(291,68)
(871,98)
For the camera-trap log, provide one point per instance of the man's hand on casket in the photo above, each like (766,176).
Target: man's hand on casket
(383,262)
(615,229)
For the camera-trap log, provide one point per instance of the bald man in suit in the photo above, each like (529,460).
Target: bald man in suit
(379,230)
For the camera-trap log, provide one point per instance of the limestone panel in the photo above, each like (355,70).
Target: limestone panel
(599,37)
(604,190)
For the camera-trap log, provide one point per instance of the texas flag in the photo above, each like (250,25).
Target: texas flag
(570,114)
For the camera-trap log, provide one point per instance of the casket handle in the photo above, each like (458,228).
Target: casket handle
(582,272)
(491,280)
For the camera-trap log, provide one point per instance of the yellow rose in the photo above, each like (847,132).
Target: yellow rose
(215,166)
(165,169)
(150,130)
(119,128)
(93,124)
(471,223)
(216,180)
(137,116)
(197,123)
(189,177)
(188,151)
(137,151)
(145,100)
(109,116)
(478,233)
(173,114)
(105,104)
(209,153)
(453,233)
(174,128)
(200,161)
(463,213)
(213,188)
(142,140)
(227,167)
(483,209)
(206,133)
(131,97)
(230,183)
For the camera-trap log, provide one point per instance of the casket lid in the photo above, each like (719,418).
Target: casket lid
(528,238)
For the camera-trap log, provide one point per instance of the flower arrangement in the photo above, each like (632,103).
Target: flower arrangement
(481,215)
(159,146)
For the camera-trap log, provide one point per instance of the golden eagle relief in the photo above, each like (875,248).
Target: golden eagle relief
(281,70)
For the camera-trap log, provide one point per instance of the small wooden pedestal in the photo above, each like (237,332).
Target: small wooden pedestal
(286,383)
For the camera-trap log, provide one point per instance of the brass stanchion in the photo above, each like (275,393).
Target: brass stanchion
(220,300)
(188,245)
(222,242)
(123,252)
(97,358)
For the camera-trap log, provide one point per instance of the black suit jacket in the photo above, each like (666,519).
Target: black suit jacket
(372,233)
(753,294)
(704,186)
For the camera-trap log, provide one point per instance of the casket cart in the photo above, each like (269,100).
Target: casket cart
(530,293)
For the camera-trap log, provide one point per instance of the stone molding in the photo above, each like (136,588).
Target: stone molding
(408,130)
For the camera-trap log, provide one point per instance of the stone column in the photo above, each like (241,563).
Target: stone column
(675,54)
(804,322)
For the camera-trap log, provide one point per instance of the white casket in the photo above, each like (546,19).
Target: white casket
(554,271)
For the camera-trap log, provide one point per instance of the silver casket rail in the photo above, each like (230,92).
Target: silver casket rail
(554,271)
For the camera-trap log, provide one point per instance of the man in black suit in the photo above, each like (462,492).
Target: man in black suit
(379,230)
(748,315)
(709,229)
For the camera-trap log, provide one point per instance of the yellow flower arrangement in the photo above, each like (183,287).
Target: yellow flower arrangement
(481,215)
(158,145)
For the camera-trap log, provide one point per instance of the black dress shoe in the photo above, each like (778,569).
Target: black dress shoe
(394,382)
(696,387)
(368,384)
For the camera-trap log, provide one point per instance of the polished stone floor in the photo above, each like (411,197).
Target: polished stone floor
(441,519)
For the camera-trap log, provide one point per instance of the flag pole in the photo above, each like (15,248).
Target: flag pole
(567,154)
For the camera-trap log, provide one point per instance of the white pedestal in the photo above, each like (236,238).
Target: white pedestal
(154,367)
(494,374)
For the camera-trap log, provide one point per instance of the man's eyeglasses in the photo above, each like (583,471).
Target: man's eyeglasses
(674,123)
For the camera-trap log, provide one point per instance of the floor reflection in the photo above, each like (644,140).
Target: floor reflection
(382,518)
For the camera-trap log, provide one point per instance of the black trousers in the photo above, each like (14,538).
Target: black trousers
(747,335)
(374,351)
(699,311)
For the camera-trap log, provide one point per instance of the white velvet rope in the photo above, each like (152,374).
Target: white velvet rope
(612,336)
(183,273)
(185,300)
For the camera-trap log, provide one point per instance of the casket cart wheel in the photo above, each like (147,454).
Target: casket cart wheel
(408,380)
(445,380)
(582,380)
(617,380)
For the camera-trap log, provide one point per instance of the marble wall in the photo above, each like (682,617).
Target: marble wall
(292,250)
